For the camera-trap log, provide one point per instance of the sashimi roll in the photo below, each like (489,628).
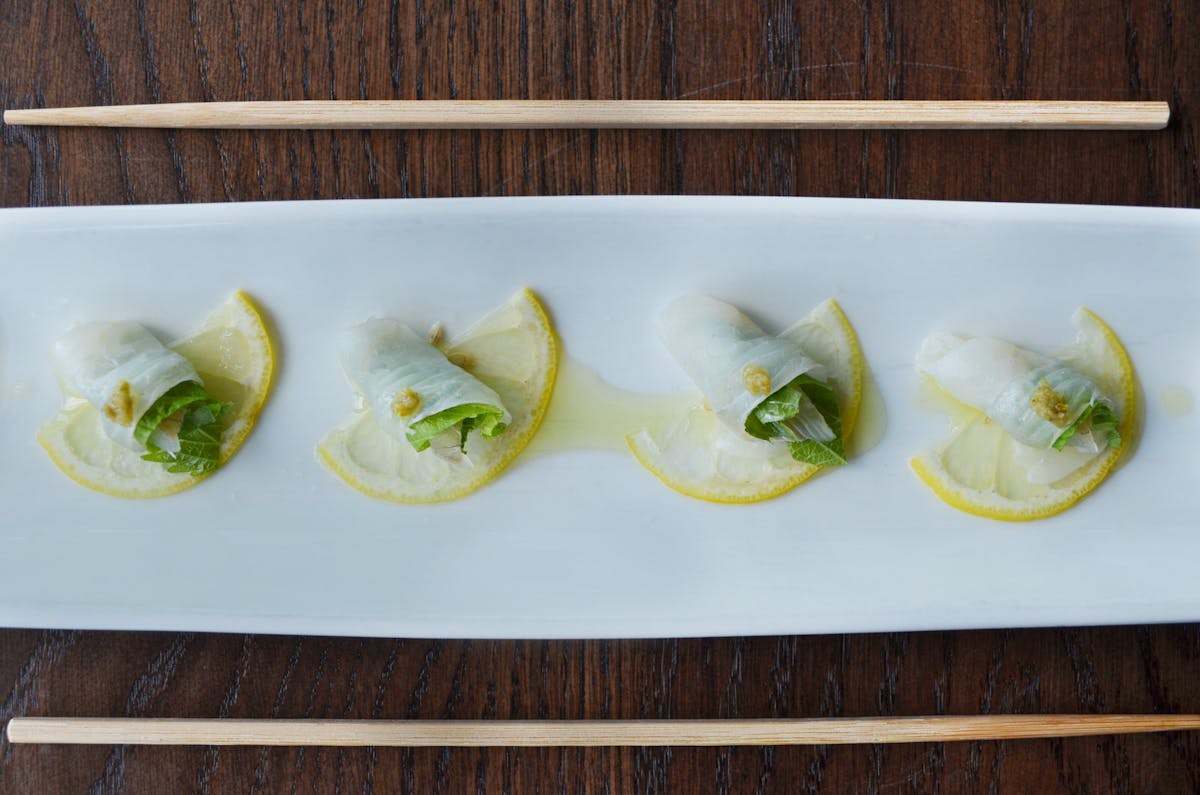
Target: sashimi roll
(764,386)
(150,398)
(413,390)
(1041,402)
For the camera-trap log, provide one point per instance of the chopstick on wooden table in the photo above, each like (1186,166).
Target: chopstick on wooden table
(553,733)
(628,114)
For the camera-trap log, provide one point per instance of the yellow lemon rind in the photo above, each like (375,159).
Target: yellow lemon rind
(992,506)
(639,446)
(854,404)
(250,319)
(54,430)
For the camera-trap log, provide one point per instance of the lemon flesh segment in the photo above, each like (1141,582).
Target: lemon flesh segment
(979,468)
(231,352)
(696,455)
(513,350)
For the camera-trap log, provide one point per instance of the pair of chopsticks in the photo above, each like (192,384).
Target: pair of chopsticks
(625,114)
(557,733)
(585,114)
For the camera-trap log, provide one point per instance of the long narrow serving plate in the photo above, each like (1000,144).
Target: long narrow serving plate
(584,542)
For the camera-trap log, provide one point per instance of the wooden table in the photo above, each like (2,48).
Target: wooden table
(97,51)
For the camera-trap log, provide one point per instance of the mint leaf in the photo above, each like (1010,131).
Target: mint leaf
(1073,428)
(1103,424)
(178,397)
(781,406)
(819,454)
(199,429)
(485,418)
(777,418)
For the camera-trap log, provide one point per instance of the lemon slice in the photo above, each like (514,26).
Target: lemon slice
(513,349)
(232,354)
(697,455)
(983,471)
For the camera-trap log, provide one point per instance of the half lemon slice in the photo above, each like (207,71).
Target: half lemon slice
(980,469)
(695,454)
(231,352)
(513,350)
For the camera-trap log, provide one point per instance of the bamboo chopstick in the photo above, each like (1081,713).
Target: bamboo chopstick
(806,731)
(587,114)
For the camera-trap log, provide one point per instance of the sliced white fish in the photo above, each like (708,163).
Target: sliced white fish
(121,369)
(975,370)
(732,361)
(1033,397)
(404,378)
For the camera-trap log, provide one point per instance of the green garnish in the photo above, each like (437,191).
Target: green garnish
(485,418)
(199,429)
(777,418)
(1102,421)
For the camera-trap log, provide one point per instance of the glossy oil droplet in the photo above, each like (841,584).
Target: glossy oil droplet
(1177,401)
(872,419)
(589,413)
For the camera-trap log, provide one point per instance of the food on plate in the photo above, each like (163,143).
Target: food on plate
(1038,432)
(775,410)
(142,419)
(416,392)
(441,419)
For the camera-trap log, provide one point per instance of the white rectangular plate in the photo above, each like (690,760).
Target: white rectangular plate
(585,543)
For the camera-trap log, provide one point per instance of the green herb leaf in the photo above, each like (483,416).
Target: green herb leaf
(774,419)
(485,418)
(1103,424)
(199,429)
(781,406)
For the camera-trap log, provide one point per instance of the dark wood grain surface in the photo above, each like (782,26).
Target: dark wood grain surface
(94,51)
